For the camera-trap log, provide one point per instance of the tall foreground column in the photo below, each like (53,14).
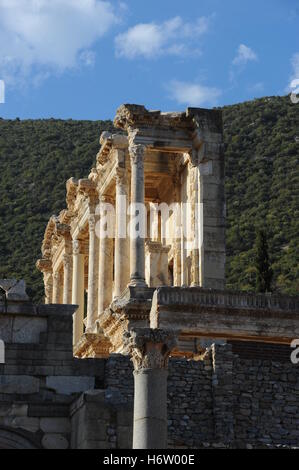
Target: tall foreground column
(78,291)
(121,257)
(149,350)
(137,243)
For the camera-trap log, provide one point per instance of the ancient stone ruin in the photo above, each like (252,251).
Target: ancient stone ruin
(134,276)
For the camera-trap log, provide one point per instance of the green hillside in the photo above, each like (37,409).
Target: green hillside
(262,181)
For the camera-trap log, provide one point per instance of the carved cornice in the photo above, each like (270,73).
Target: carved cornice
(157,247)
(132,115)
(92,345)
(44,265)
(62,230)
(149,348)
(87,187)
(71,193)
(108,142)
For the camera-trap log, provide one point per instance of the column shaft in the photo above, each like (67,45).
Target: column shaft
(78,291)
(137,243)
(56,287)
(67,279)
(149,350)
(150,409)
(121,256)
(105,273)
(91,300)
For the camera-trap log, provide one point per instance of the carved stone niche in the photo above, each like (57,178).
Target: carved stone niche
(156,264)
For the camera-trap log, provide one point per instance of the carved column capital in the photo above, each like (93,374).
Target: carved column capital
(121,177)
(57,276)
(149,348)
(76,247)
(137,153)
(92,222)
(67,260)
(106,199)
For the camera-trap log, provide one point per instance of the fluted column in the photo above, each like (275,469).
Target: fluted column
(91,297)
(67,279)
(105,280)
(78,291)
(149,350)
(137,243)
(121,256)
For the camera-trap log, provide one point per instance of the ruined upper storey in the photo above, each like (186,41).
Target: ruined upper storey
(155,160)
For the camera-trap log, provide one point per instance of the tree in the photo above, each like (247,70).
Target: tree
(264,273)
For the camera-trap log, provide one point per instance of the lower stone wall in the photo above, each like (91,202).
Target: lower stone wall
(99,423)
(222,401)
(236,397)
(40,378)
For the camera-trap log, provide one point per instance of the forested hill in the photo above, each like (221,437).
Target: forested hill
(262,181)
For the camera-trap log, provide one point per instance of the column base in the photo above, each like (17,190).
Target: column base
(137,282)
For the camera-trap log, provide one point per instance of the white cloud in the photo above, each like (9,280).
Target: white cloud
(150,40)
(245,54)
(38,37)
(193,94)
(295,67)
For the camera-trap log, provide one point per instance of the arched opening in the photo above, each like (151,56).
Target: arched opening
(11,439)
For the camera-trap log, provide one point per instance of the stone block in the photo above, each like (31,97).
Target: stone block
(67,385)
(55,441)
(21,422)
(6,328)
(55,425)
(28,329)
(19,384)
(124,437)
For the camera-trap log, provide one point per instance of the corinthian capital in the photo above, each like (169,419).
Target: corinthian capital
(92,222)
(67,260)
(121,177)
(149,348)
(76,247)
(137,153)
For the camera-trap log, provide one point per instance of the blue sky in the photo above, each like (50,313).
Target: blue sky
(81,59)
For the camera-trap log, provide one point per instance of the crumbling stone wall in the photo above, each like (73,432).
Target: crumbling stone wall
(40,378)
(225,400)
(240,395)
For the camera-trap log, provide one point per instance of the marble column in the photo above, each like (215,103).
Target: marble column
(149,350)
(137,243)
(67,279)
(195,227)
(48,285)
(177,272)
(56,287)
(121,254)
(78,291)
(105,279)
(91,296)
